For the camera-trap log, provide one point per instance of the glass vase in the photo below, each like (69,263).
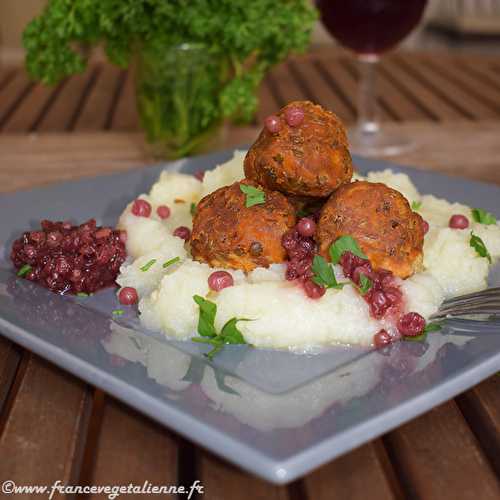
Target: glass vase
(178,97)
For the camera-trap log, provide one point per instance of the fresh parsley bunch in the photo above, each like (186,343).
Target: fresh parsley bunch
(253,35)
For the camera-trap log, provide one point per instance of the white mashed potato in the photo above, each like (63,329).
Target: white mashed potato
(282,315)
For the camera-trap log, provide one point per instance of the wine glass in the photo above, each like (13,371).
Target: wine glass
(369,28)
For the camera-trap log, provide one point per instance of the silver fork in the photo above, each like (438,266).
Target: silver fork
(484,303)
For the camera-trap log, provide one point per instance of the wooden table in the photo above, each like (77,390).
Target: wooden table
(53,426)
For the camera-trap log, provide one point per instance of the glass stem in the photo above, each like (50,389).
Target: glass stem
(368,123)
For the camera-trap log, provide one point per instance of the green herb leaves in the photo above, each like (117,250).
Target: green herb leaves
(148,264)
(365,284)
(192,209)
(429,328)
(432,327)
(416,205)
(171,262)
(206,320)
(118,312)
(483,217)
(254,196)
(247,36)
(478,245)
(24,270)
(206,328)
(323,273)
(345,244)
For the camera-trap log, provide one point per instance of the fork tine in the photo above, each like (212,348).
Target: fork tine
(493,312)
(489,292)
(492,302)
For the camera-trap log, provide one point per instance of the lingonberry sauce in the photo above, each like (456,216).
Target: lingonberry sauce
(70,259)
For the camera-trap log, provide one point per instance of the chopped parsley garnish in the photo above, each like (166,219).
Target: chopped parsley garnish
(206,328)
(118,312)
(478,244)
(208,310)
(429,328)
(82,294)
(170,262)
(23,271)
(146,266)
(345,244)
(323,273)
(432,327)
(416,205)
(254,196)
(483,217)
(192,209)
(365,284)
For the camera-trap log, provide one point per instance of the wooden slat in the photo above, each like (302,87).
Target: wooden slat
(223,481)
(345,80)
(268,104)
(396,101)
(95,113)
(31,109)
(481,71)
(40,440)
(436,456)
(125,116)
(481,407)
(448,91)
(421,94)
(284,85)
(6,74)
(481,91)
(12,95)
(133,449)
(317,87)
(63,111)
(10,356)
(361,474)
(352,70)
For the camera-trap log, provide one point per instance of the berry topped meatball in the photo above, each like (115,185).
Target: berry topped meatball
(302,151)
(382,222)
(229,233)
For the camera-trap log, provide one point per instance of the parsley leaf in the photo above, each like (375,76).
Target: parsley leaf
(118,312)
(478,245)
(254,196)
(208,310)
(432,327)
(170,262)
(416,205)
(416,338)
(429,328)
(228,335)
(192,209)
(323,273)
(146,266)
(82,294)
(483,217)
(365,284)
(249,36)
(24,270)
(345,244)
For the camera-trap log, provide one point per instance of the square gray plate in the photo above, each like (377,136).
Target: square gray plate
(276,414)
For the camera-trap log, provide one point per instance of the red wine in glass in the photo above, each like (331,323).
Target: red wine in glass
(369,28)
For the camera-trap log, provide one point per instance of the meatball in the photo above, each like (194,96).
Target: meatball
(380,220)
(310,158)
(228,234)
